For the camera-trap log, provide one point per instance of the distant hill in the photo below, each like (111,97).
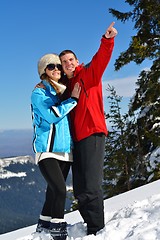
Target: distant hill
(15,143)
(22,193)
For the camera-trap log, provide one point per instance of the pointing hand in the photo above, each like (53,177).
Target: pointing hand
(111,31)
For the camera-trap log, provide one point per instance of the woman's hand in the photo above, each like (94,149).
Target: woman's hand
(40,85)
(76,91)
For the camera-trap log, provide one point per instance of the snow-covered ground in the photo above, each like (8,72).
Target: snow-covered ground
(134,215)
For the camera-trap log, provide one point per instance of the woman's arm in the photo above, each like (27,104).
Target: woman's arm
(51,111)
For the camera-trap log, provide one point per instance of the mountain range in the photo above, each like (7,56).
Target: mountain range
(22,187)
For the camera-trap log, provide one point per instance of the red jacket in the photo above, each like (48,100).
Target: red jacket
(87,117)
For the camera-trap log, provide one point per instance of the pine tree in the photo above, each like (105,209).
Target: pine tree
(145,45)
(121,165)
(126,164)
(146,103)
(114,165)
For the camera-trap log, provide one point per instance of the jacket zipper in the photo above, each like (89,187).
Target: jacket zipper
(84,88)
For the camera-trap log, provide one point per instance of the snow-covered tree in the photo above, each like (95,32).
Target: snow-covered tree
(140,127)
(124,166)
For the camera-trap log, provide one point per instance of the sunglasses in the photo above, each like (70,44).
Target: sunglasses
(52,66)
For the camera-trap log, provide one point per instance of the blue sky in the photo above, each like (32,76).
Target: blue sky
(32,28)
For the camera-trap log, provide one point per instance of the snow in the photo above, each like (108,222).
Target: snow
(9,174)
(7,161)
(154,158)
(133,215)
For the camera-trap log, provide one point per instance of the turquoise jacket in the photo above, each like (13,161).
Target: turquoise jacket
(50,120)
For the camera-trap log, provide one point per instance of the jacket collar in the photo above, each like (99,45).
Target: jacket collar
(60,87)
(48,86)
(78,69)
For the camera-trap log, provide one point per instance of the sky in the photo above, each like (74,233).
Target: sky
(133,215)
(32,28)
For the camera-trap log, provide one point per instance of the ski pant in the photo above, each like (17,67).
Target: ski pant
(88,162)
(55,173)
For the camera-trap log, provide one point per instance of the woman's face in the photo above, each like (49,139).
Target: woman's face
(53,71)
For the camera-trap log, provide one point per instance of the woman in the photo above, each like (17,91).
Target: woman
(52,142)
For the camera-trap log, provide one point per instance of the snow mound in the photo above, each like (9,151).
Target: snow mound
(133,215)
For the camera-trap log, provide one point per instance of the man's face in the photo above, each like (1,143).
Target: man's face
(69,63)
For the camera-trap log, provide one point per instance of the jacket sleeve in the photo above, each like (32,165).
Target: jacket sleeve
(49,109)
(92,74)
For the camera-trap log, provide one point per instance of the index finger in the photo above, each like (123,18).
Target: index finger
(111,25)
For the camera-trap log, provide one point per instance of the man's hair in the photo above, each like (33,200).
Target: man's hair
(64,52)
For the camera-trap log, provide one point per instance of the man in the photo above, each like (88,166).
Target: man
(89,130)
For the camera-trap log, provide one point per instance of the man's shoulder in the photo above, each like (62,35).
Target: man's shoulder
(87,65)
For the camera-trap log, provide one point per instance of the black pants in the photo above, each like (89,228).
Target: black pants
(87,180)
(55,173)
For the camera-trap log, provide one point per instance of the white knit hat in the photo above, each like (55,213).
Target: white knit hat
(45,60)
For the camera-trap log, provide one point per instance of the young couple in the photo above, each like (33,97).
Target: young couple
(69,127)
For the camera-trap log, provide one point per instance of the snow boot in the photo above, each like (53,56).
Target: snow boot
(58,231)
(43,226)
